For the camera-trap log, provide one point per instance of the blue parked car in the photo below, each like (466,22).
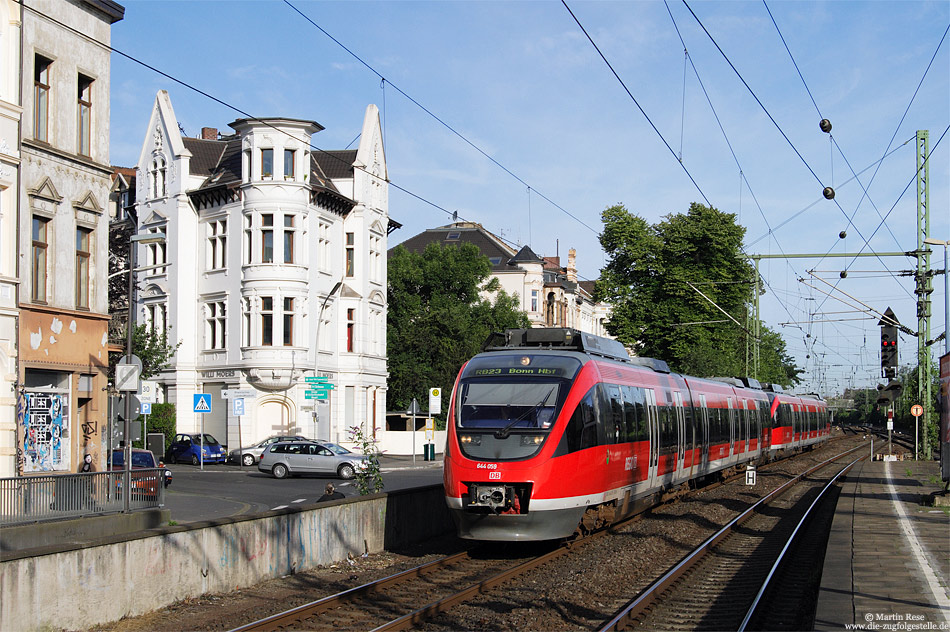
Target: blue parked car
(185,447)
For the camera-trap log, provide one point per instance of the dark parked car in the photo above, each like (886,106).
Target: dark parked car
(252,454)
(191,449)
(141,482)
(304,457)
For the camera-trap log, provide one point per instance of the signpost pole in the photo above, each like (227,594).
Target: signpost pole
(413,411)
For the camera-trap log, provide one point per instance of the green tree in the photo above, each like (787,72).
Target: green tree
(654,278)
(438,317)
(152,348)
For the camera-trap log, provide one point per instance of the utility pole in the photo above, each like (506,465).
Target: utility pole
(924,286)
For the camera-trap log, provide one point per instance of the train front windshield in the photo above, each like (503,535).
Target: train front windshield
(513,392)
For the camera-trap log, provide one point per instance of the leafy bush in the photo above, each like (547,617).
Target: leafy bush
(369,480)
(162,420)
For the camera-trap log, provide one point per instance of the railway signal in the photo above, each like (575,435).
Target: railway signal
(889,355)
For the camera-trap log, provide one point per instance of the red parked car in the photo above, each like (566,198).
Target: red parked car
(141,482)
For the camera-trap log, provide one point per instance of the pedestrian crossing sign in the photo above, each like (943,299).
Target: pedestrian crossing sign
(202,403)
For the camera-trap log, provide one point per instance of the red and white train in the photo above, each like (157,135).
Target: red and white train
(552,430)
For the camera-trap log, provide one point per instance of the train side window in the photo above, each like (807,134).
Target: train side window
(715,426)
(581,431)
(667,428)
(634,413)
(613,420)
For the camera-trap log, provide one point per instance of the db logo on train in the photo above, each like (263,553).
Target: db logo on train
(916,410)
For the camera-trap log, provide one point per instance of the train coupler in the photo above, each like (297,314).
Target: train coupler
(498,499)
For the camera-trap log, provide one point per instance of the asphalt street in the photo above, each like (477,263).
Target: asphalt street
(219,491)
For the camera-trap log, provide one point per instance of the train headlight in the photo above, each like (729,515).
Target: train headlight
(470,439)
(532,439)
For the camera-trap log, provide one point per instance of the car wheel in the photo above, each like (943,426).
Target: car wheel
(346,471)
(280,471)
(248,459)
(194,459)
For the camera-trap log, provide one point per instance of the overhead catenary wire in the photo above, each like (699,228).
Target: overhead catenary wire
(439,119)
(634,99)
(331,155)
(772,119)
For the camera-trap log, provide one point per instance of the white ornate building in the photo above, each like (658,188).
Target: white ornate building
(275,272)
(550,295)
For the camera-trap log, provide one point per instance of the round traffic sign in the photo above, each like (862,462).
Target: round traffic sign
(916,410)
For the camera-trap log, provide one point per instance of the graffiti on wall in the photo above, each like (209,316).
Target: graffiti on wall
(45,433)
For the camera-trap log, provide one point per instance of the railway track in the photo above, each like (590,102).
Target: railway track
(399,601)
(724,583)
(407,599)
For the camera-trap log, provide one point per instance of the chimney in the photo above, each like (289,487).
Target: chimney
(209,133)
(572,265)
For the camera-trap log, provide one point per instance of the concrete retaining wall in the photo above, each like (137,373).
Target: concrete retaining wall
(132,575)
(72,533)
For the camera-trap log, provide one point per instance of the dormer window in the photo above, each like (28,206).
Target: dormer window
(453,236)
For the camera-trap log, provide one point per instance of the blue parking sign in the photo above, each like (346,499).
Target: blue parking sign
(237,406)
(146,408)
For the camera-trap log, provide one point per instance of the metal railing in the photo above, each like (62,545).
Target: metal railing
(24,500)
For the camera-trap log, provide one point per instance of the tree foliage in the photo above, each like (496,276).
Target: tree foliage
(438,317)
(655,279)
(152,348)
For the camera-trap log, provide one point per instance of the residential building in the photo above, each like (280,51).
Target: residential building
(10,111)
(551,295)
(63,233)
(271,274)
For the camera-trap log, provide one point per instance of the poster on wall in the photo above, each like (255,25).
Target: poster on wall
(45,433)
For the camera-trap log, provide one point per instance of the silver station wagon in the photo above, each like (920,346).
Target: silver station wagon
(291,458)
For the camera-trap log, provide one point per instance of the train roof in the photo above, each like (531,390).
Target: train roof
(567,339)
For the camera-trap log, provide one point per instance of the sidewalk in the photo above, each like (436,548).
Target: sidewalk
(887,564)
(396,462)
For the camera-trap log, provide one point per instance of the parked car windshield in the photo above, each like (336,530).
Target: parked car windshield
(336,449)
(142,459)
(208,439)
(139,459)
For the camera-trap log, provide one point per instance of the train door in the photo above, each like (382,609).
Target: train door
(733,431)
(653,432)
(756,413)
(704,431)
(746,425)
(680,430)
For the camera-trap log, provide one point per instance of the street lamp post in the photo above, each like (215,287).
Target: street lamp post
(316,352)
(135,238)
(946,291)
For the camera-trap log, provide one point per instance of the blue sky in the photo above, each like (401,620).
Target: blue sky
(522,82)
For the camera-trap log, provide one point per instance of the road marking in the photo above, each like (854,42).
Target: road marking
(910,535)
(278,507)
(299,500)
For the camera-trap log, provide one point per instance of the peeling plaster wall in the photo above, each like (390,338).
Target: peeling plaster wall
(69,191)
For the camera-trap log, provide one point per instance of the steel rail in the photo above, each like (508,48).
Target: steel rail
(653,592)
(279,620)
(283,619)
(407,621)
(788,544)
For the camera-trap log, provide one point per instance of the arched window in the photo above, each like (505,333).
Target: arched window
(157,177)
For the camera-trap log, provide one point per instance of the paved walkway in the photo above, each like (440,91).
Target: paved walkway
(887,565)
